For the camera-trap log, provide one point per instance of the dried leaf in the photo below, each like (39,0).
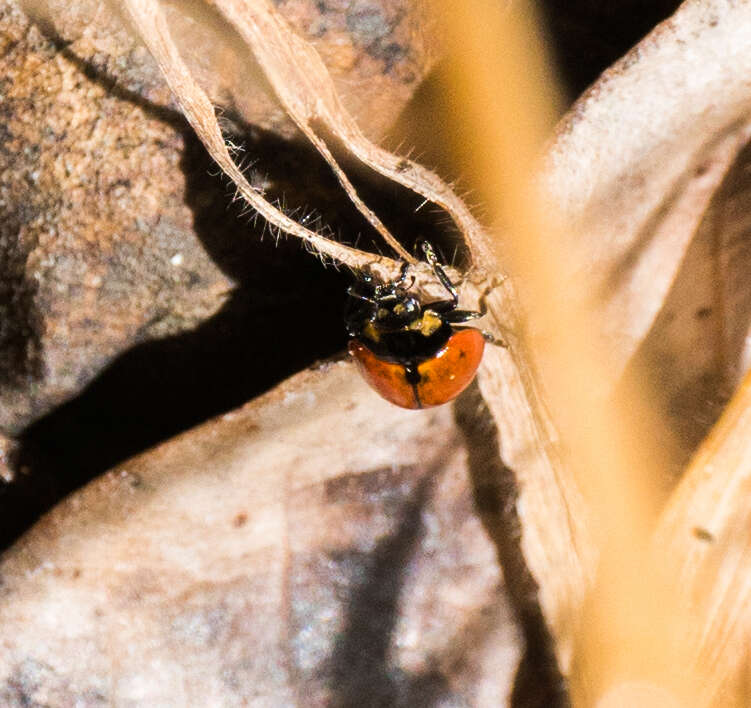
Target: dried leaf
(636,162)
(315,546)
(641,166)
(634,168)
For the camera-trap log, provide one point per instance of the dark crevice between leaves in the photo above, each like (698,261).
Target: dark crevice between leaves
(588,35)
(359,669)
(151,393)
(539,682)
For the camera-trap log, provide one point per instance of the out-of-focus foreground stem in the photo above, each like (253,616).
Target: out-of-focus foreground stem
(504,97)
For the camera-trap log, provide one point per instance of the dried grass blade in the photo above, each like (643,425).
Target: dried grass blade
(305,88)
(149,20)
(295,71)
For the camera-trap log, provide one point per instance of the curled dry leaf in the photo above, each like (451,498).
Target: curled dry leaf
(697,348)
(636,163)
(262,558)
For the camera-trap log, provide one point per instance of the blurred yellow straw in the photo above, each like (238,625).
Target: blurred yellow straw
(504,97)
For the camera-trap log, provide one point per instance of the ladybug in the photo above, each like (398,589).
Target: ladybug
(412,353)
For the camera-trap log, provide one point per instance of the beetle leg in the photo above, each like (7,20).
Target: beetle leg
(459,316)
(483,302)
(489,337)
(443,307)
(352,292)
(432,261)
(403,277)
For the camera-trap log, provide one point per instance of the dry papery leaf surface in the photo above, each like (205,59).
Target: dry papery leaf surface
(319,547)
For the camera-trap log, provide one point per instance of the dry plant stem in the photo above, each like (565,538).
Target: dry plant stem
(354,197)
(703,542)
(555,538)
(296,72)
(304,86)
(149,20)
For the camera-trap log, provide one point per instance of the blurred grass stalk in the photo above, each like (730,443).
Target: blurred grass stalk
(504,97)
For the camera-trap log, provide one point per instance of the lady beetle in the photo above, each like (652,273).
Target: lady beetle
(410,352)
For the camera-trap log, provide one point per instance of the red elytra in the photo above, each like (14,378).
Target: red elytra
(441,378)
